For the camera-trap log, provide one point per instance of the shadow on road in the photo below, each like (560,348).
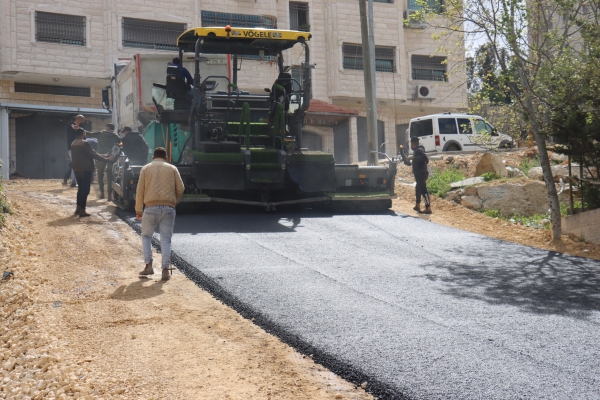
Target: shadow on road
(548,283)
(218,218)
(138,290)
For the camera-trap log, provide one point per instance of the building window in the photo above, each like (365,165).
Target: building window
(297,77)
(299,17)
(147,34)
(384,58)
(210,18)
(59,28)
(429,5)
(429,68)
(52,89)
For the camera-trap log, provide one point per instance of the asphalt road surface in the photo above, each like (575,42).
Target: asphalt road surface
(418,310)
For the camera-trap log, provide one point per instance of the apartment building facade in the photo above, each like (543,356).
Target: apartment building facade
(57,55)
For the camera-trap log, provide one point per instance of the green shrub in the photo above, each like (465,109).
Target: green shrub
(529,163)
(490,176)
(439,181)
(519,219)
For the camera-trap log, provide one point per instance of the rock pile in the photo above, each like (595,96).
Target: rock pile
(525,199)
(32,356)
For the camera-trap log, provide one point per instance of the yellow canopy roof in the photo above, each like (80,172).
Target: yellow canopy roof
(244,41)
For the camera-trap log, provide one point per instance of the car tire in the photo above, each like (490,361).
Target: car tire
(505,144)
(452,147)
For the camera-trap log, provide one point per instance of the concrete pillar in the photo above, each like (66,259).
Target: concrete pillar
(353,132)
(4,143)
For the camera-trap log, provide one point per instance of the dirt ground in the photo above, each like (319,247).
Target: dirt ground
(76,320)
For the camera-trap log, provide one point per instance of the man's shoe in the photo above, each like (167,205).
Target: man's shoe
(148,270)
(73,185)
(165,274)
(77,211)
(101,197)
(417,208)
(64,182)
(83,214)
(427,211)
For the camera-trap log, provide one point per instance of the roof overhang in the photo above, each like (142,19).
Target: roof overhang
(55,109)
(242,41)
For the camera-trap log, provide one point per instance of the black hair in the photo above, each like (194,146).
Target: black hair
(414,139)
(79,132)
(160,152)
(127,128)
(111,126)
(176,61)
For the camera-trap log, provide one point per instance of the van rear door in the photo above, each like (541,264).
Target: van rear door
(423,129)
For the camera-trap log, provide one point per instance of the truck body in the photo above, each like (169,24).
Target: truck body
(132,87)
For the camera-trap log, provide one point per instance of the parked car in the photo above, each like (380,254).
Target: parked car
(456,132)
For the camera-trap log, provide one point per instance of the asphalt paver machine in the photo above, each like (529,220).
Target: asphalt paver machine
(232,146)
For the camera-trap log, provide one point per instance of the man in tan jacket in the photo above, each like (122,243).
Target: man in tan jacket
(159,188)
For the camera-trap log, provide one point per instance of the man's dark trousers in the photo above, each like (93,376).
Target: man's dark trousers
(421,188)
(109,175)
(84,180)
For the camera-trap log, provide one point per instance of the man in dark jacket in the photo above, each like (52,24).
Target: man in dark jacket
(184,73)
(419,167)
(135,147)
(71,130)
(82,158)
(106,140)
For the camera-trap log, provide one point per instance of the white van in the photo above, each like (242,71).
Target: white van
(455,132)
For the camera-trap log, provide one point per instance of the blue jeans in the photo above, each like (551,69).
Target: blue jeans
(162,217)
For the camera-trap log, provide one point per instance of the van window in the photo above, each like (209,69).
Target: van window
(447,126)
(482,127)
(464,126)
(421,128)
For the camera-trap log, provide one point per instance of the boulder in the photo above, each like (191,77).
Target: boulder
(467,182)
(558,157)
(472,202)
(558,171)
(515,199)
(451,196)
(490,163)
(470,191)
(514,172)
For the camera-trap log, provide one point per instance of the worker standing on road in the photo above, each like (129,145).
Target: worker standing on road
(71,133)
(106,140)
(134,147)
(83,156)
(159,188)
(419,166)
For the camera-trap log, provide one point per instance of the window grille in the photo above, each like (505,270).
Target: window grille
(52,89)
(59,28)
(210,18)
(426,68)
(299,17)
(147,34)
(436,6)
(384,58)
(297,77)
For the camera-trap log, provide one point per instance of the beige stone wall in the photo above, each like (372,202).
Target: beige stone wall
(585,225)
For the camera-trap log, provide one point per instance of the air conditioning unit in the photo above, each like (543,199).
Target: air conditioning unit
(413,23)
(425,92)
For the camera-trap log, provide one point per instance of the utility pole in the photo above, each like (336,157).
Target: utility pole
(368,56)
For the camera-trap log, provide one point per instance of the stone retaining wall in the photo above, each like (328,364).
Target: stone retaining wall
(585,225)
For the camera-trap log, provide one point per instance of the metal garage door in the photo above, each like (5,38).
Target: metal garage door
(42,146)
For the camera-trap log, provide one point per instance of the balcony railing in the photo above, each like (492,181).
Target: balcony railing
(431,5)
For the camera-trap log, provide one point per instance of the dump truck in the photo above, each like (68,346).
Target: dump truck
(233,146)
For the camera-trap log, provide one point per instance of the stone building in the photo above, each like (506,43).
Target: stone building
(57,55)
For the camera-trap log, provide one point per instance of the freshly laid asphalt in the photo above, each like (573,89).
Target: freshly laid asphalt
(418,310)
